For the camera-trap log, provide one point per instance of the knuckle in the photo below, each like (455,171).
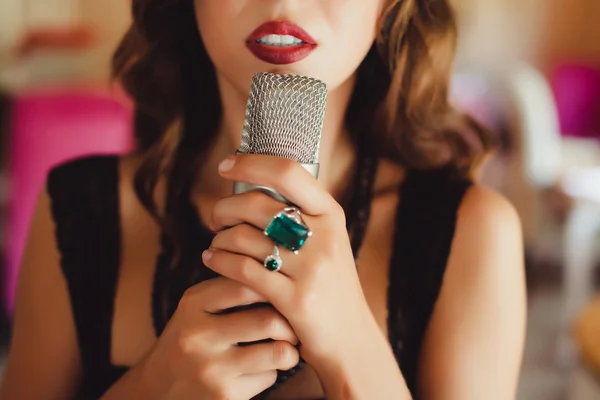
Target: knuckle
(216,212)
(269,321)
(321,263)
(274,325)
(338,212)
(329,249)
(173,358)
(306,303)
(285,356)
(242,294)
(255,199)
(238,237)
(271,377)
(186,343)
(186,300)
(247,269)
(222,393)
(288,170)
(208,375)
(315,271)
(201,375)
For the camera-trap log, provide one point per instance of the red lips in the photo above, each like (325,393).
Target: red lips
(280,55)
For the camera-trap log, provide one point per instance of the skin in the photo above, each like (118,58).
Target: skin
(473,345)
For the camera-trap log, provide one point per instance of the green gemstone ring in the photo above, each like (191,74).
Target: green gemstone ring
(288,229)
(273,262)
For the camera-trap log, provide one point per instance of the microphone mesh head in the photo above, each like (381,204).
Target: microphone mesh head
(284,117)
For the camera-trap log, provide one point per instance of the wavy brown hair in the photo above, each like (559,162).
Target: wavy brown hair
(400,99)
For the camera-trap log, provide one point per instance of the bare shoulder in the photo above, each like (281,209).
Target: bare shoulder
(487,218)
(487,250)
(478,324)
(483,205)
(483,213)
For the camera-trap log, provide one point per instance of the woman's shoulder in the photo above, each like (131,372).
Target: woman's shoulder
(394,179)
(482,300)
(487,247)
(469,205)
(490,215)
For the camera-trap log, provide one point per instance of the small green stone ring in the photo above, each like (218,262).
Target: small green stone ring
(288,229)
(274,262)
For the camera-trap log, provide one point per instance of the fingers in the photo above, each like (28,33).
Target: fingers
(257,383)
(219,294)
(241,387)
(254,208)
(254,325)
(248,272)
(287,177)
(265,357)
(244,240)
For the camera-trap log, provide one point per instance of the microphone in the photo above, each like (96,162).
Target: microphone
(284,118)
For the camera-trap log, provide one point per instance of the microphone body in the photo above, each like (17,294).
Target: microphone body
(284,118)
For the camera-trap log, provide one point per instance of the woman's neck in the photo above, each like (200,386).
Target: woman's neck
(336,155)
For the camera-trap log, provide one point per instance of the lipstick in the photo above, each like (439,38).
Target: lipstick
(280,43)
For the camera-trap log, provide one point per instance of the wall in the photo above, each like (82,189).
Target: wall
(495,34)
(572,31)
(110,18)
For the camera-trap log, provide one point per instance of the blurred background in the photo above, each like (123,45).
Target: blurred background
(528,69)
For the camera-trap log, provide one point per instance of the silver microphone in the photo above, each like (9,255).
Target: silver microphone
(284,118)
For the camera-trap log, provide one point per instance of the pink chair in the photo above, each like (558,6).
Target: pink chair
(48,128)
(577,92)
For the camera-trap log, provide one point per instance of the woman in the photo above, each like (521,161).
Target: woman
(393,197)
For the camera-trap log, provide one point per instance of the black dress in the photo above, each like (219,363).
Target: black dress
(85,207)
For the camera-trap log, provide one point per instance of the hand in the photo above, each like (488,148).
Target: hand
(200,344)
(318,290)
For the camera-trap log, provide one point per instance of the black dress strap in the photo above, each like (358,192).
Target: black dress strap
(425,225)
(85,208)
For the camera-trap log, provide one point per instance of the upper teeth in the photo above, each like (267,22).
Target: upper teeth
(280,40)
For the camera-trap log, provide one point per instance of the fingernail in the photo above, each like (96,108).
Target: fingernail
(227,164)
(207,255)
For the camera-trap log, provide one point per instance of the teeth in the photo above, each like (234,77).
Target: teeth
(280,40)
